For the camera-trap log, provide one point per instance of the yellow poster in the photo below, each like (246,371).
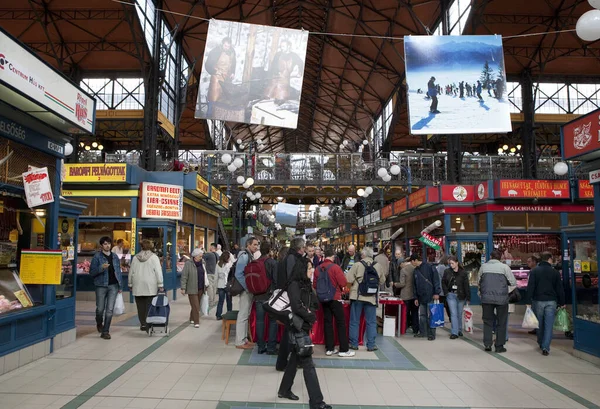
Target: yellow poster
(95,172)
(41,266)
(585,266)
(23,298)
(132,244)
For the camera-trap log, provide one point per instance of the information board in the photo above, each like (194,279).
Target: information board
(41,266)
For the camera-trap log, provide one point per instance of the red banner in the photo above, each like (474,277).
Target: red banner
(386,212)
(458,193)
(586,191)
(566,208)
(541,189)
(401,206)
(581,136)
(417,198)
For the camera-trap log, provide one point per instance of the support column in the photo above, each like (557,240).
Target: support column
(528,128)
(152,85)
(454,158)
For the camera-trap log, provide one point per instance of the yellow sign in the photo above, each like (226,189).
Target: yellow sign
(100,193)
(41,266)
(215,195)
(201,185)
(224,200)
(95,172)
(585,266)
(132,243)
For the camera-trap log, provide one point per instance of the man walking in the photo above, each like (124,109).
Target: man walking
(427,288)
(241,325)
(211,258)
(270,345)
(350,259)
(494,279)
(545,290)
(361,301)
(332,308)
(105,269)
(405,283)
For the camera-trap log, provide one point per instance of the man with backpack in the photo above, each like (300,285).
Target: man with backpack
(365,277)
(329,281)
(427,288)
(259,275)
(241,325)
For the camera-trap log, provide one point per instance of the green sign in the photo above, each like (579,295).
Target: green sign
(431,241)
(227,221)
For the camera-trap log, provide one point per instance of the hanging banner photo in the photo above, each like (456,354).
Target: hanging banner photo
(38,190)
(456,85)
(252,74)
(287,214)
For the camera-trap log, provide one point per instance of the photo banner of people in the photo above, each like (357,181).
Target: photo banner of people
(456,85)
(252,74)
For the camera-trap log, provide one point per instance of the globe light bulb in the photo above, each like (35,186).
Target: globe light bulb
(87,147)
(505,147)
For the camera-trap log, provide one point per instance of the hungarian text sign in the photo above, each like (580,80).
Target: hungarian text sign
(160,201)
(87,172)
(541,189)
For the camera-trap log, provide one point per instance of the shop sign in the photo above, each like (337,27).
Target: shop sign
(537,208)
(38,190)
(12,130)
(202,185)
(417,198)
(581,136)
(23,71)
(586,191)
(227,221)
(132,243)
(367,220)
(161,201)
(431,241)
(224,200)
(481,191)
(387,211)
(375,216)
(99,173)
(386,234)
(215,195)
(540,189)
(594,176)
(41,266)
(458,193)
(400,206)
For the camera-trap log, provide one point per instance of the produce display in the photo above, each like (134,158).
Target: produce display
(7,305)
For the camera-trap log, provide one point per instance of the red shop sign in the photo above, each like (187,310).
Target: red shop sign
(400,206)
(458,193)
(536,208)
(418,198)
(386,212)
(541,189)
(581,137)
(586,191)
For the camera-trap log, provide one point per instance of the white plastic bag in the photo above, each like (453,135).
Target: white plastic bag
(530,321)
(204,304)
(119,308)
(468,320)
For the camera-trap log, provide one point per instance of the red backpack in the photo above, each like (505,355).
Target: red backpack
(257,280)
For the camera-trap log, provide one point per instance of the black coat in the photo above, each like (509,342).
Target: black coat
(460,278)
(302,295)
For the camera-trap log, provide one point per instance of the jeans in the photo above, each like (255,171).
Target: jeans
(260,329)
(491,312)
(105,303)
(424,315)
(241,325)
(456,307)
(223,296)
(315,396)
(334,309)
(356,309)
(545,311)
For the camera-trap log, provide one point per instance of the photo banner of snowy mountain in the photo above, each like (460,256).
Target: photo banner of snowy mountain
(456,85)
(252,74)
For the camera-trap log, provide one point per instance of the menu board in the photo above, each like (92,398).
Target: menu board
(41,266)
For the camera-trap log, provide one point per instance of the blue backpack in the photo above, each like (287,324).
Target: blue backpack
(370,282)
(325,289)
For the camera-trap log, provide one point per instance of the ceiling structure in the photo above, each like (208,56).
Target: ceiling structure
(347,79)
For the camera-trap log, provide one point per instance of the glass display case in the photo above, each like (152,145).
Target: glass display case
(13,293)
(585,272)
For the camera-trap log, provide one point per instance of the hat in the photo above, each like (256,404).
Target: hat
(414,257)
(197,252)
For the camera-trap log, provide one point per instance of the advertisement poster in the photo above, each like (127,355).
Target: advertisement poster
(13,294)
(286,214)
(161,201)
(456,85)
(540,189)
(38,190)
(252,74)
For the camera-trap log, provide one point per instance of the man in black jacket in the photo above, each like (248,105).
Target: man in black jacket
(427,288)
(545,291)
(350,258)
(284,273)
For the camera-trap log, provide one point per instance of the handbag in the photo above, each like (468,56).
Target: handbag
(514,296)
(302,343)
(234,287)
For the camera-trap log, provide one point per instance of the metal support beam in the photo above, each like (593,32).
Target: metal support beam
(528,128)
(454,158)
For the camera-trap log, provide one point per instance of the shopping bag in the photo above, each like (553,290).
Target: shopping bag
(468,320)
(562,322)
(204,304)
(436,318)
(119,308)
(530,321)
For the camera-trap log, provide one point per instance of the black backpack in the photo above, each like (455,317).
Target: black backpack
(370,282)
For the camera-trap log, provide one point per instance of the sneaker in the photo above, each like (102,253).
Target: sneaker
(545,352)
(219,318)
(329,353)
(375,348)
(192,322)
(245,346)
(347,354)
(488,349)
(353,347)
(105,335)
(197,326)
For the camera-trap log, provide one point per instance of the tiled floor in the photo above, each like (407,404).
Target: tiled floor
(193,368)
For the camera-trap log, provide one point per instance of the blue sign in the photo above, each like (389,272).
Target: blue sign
(19,133)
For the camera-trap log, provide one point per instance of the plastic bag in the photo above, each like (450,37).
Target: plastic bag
(562,322)
(468,320)
(119,308)
(204,304)
(530,321)
(436,318)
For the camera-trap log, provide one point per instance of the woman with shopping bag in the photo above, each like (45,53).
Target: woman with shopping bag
(455,285)
(193,283)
